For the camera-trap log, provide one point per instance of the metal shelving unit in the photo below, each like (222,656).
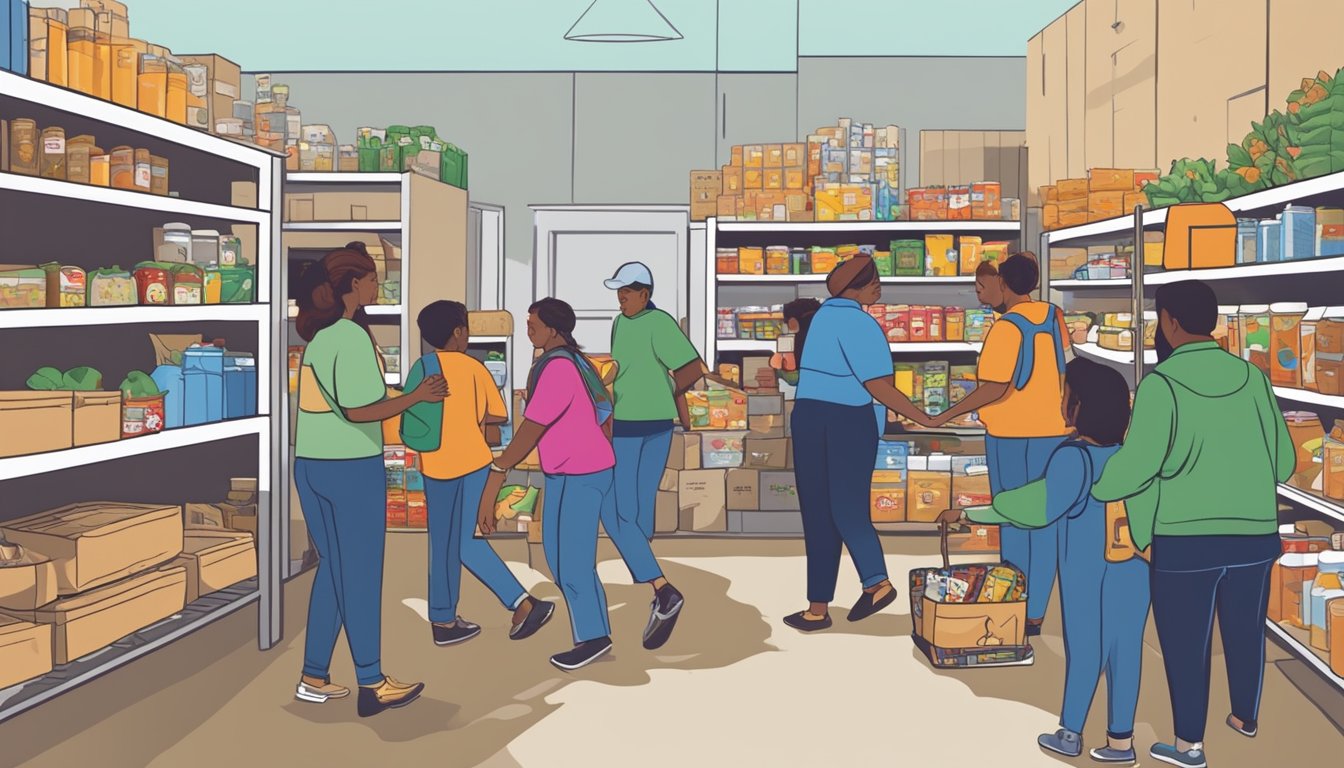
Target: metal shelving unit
(122,220)
(1319,279)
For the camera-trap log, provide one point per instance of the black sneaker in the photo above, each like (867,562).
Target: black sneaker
(582,655)
(667,604)
(1248,728)
(541,613)
(461,631)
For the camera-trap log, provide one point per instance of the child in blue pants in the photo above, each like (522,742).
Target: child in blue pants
(1104,604)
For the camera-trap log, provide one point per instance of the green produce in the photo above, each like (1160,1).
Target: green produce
(81,379)
(46,379)
(139,384)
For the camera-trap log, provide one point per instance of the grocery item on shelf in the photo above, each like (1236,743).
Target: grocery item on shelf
(215,560)
(1116,331)
(1200,236)
(25,650)
(22,287)
(27,578)
(46,152)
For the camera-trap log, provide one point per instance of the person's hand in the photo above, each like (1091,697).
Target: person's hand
(485,517)
(432,390)
(937,421)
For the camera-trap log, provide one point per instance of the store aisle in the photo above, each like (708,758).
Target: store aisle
(734,686)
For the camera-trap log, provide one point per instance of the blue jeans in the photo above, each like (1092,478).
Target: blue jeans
(640,461)
(453,505)
(1194,579)
(344,506)
(835,448)
(1014,462)
(1105,610)
(571,508)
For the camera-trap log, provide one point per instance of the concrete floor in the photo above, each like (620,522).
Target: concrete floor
(733,687)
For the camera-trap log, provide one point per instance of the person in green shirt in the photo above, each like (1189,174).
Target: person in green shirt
(1199,474)
(340,478)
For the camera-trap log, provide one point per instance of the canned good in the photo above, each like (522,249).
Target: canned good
(188,284)
(23,141)
(152,283)
(158,179)
(100,168)
(144,171)
(53,153)
(122,164)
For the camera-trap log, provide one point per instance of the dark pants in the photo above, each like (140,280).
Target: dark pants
(835,448)
(344,505)
(1194,578)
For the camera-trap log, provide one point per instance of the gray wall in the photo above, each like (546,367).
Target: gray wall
(563,137)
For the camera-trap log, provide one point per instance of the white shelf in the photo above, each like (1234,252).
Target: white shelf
(47,95)
(1304,652)
(42,463)
(488,340)
(798,279)
(1250,271)
(383,309)
(343,178)
(757,345)
(1112,356)
(1120,224)
(1310,398)
(1069,285)
(1311,500)
(66,190)
(35,318)
(870,226)
(342,226)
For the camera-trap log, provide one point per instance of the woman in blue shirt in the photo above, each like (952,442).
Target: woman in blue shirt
(836,426)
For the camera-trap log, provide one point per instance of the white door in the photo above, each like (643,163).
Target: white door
(579,247)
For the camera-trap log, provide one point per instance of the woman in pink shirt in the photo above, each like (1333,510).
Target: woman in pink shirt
(567,420)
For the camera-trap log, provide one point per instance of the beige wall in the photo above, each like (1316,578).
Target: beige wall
(963,157)
(1165,79)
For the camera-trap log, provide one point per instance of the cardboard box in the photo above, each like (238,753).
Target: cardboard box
(225,83)
(27,579)
(729,206)
(972,625)
(36,422)
(730,181)
(1071,189)
(703,500)
(215,560)
(766,453)
(242,521)
(97,418)
(244,194)
(766,427)
(1105,205)
(764,404)
(744,489)
(98,542)
(82,624)
(779,492)
(887,503)
(670,482)
(1049,194)
(666,513)
(722,450)
(970,490)
(1110,180)
(299,208)
(929,495)
(25,651)
(977,539)
(490,323)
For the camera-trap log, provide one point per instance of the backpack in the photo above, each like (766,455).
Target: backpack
(597,391)
(422,423)
(1026,354)
(1119,542)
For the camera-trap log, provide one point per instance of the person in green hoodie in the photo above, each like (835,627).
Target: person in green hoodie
(1199,472)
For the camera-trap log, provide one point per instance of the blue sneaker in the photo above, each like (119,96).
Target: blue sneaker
(1063,742)
(1169,754)
(1108,755)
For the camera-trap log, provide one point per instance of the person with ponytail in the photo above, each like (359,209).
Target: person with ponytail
(340,479)
(797,319)
(565,421)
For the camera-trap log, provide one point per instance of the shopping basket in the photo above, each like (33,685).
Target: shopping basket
(965,632)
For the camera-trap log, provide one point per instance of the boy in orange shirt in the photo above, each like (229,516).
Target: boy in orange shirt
(1019,397)
(455,476)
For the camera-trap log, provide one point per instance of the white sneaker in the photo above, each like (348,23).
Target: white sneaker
(320,694)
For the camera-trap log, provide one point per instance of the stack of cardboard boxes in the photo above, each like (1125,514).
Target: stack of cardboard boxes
(846,172)
(79,578)
(1105,194)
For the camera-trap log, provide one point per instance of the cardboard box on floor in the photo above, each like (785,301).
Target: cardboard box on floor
(25,651)
(666,513)
(744,490)
(98,542)
(685,453)
(703,499)
(760,453)
(779,492)
(82,624)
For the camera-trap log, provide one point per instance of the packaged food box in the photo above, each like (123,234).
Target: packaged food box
(97,417)
(35,422)
(22,287)
(27,579)
(765,453)
(685,453)
(744,489)
(97,542)
(490,323)
(703,499)
(779,492)
(887,503)
(722,450)
(84,623)
(25,651)
(929,495)
(215,560)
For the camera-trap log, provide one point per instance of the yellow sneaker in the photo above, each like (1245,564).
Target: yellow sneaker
(389,694)
(319,691)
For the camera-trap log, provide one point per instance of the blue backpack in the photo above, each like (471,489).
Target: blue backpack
(1026,355)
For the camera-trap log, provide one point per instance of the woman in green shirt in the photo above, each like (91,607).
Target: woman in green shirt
(341,482)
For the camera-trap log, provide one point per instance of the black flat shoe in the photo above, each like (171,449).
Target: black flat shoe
(460,632)
(1249,729)
(541,613)
(582,655)
(800,622)
(866,606)
(1033,629)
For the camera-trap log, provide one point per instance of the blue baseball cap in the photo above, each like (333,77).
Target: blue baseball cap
(629,274)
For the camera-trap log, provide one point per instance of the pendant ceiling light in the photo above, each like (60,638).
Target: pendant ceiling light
(622,21)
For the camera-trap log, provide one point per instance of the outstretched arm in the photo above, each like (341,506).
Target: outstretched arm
(885,392)
(524,442)
(1044,501)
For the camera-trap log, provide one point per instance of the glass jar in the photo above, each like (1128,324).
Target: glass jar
(1334,463)
(153,86)
(100,168)
(122,164)
(78,152)
(25,153)
(53,153)
(158,179)
(144,171)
